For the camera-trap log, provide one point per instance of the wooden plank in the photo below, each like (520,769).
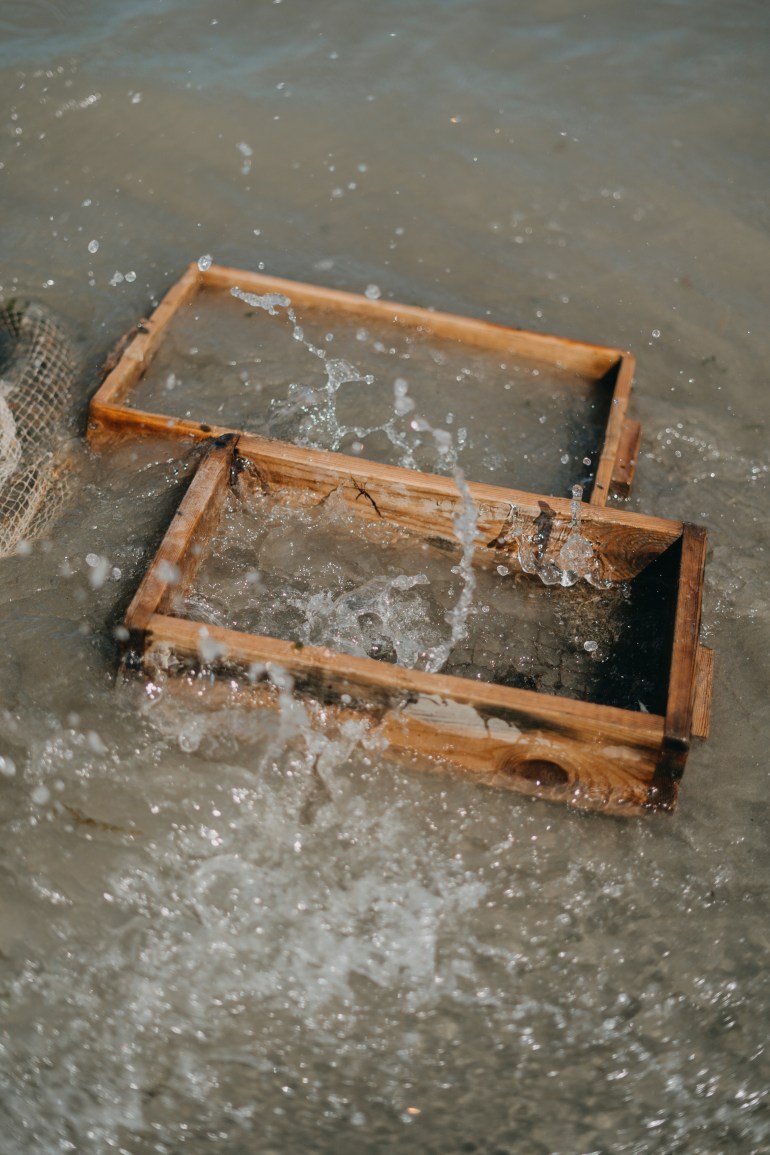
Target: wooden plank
(583,778)
(679,711)
(109,424)
(176,561)
(621,395)
(425,503)
(329,675)
(580,356)
(594,757)
(625,459)
(428,503)
(140,351)
(704,681)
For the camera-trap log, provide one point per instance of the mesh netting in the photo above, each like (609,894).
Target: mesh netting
(37,371)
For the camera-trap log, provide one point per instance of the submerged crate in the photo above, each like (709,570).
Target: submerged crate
(584,740)
(171,380)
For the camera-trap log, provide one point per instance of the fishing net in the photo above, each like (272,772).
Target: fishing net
(37,371)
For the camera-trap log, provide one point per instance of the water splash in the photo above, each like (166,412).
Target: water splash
(308,415)
(375,620)
(577,558)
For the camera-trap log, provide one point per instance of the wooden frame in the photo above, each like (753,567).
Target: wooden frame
(591,756)
(109,415)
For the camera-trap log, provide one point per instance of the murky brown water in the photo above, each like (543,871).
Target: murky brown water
(229,932)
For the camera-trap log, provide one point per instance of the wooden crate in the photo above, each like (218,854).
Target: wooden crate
(113,410)
(591,756)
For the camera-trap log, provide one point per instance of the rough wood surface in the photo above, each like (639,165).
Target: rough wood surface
(580,356)
(607,464)
(427,503)
(679,711)
(177,559)
(625,459)
(591,756)
(704,682)
(140,350)
(527,766)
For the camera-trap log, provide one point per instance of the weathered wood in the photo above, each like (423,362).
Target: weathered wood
(704,681)
(140,351)
(679,711)
(527,766)
(178,557)
(580,356)
(608,460)
(589,755)
(427,503)
(625,459)
(111,417)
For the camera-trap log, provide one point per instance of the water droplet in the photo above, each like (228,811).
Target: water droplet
(373,292)
(93,246)
(590,647)
(7,767)
(205,262)
(656,333)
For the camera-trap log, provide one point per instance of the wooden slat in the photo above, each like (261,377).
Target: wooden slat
(704,681)
(621,395)
(140,351)
(625,459)
(427,504)
(615,782)
(177,560)
(580,356)
(422,502)
(596,757)
(679,712)
(330,674)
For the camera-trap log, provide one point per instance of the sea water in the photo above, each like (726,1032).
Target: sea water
(229,931)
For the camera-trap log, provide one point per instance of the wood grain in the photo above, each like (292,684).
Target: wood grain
(580,356)
(679,710)
(703,691)
(607,464)
(178,557)
(625,459)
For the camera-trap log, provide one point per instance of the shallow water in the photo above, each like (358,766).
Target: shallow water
(234,932)
(321,576)
(329,381)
